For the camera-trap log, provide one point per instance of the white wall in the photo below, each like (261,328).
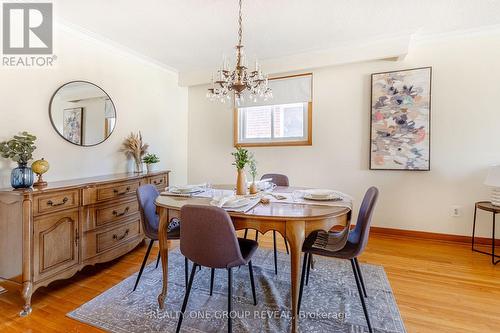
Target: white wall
(147,98)
(464,138)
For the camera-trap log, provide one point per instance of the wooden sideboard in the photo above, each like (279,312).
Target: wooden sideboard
(51,233)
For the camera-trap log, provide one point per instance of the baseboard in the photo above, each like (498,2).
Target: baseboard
(432,236)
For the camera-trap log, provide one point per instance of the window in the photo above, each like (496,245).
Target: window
(284,120)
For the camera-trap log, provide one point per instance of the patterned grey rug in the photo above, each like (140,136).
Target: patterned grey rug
(330,302)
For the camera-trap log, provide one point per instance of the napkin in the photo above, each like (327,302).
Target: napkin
(221,201)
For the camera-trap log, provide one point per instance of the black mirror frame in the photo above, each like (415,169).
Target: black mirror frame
(54,126)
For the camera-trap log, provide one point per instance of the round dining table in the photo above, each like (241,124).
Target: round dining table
(292,220)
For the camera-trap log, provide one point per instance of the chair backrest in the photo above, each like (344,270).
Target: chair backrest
(146,195)
(278,179)
(359,236)
(208,237)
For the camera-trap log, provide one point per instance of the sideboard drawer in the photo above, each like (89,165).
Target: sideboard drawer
(102,240)
(159,181)
(117,190)
(106,214)
(53,202)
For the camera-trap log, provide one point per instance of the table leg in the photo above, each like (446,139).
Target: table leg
(163,240)
(474,226)
(493,241)
(295,234)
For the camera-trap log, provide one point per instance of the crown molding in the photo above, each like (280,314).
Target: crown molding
(420,38)
(81,32)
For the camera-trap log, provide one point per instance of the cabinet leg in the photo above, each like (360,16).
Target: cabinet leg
(26,294)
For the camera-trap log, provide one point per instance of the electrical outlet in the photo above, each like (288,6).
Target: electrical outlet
(456,211)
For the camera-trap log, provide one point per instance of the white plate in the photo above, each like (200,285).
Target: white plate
(235,203)
(185,189)
(321,194)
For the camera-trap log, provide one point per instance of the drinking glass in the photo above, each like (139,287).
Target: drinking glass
(297,195)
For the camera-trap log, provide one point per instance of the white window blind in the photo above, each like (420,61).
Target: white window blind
(297,89)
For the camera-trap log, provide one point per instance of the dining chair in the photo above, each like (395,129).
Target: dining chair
(327,244)
(278,180)
(208,239)
(146,195)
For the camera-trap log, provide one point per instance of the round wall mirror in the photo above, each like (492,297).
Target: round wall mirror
(82,113)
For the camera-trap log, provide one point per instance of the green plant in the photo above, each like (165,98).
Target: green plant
(151,159)
(253,167)
(20,148)
(241,158)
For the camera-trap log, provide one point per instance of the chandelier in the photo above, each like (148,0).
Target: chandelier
(239,80)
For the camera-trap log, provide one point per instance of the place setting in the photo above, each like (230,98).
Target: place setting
(323,197)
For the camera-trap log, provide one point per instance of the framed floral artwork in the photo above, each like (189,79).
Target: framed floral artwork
(73,125)
(400,120)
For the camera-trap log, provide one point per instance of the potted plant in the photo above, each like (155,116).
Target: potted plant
(241,159)
(253,172)
(151,160)
(135,148)
(20,150)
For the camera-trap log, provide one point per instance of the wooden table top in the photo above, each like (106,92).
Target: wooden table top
(272,210)
(488,206)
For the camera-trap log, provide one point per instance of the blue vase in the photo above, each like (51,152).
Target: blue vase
(22,176)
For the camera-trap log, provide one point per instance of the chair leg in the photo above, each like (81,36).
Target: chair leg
(358,269)
(143,264)
(309,258)
(186,297)
(252,282)
(186,269)
(256,235)
(229,299)
(246,232)
(286,246)
(360,292)
(301,290)
(158,260)
(212,277)
(275,254)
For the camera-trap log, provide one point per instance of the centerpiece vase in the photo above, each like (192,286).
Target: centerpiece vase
(138,166)
(241,183)
(22,176)
(253,188)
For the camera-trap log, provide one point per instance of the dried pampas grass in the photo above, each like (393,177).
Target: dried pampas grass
(134,147)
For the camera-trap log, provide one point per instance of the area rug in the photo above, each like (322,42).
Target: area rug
(330,302)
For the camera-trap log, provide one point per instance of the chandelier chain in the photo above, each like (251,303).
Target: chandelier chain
(240,22)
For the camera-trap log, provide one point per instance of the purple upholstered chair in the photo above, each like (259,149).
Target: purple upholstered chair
(146,195)
(355,245)
(279,180)
(208,239)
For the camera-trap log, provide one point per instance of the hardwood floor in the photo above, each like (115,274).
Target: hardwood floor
(439,287)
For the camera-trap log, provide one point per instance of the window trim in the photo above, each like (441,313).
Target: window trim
(307,142)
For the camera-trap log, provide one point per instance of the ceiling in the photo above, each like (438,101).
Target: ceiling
(191,35)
